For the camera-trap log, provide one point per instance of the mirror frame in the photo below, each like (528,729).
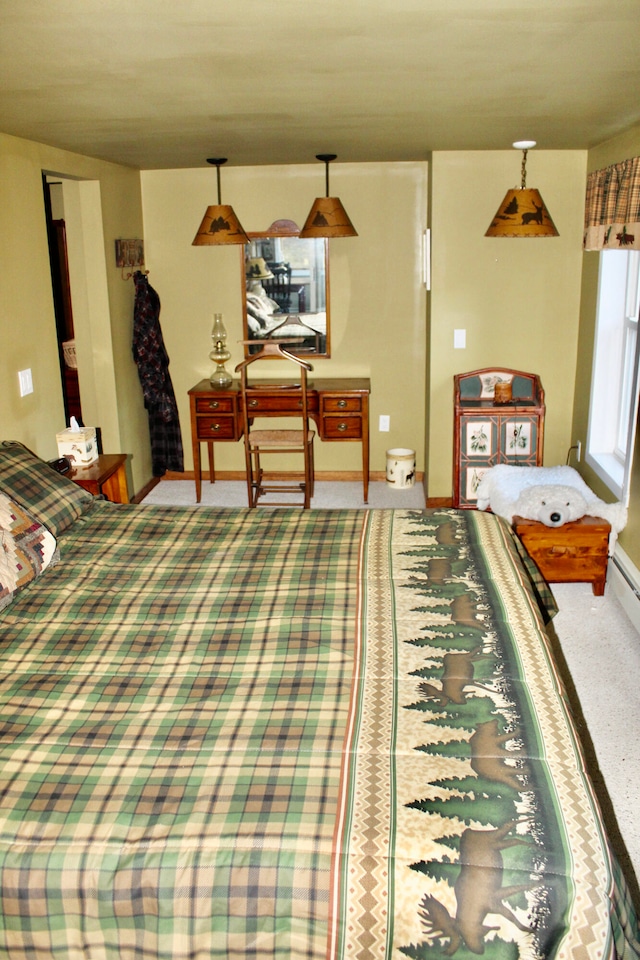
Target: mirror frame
(284,228)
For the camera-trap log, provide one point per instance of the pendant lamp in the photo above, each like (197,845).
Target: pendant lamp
(327,217)
(522,213)
(219,224)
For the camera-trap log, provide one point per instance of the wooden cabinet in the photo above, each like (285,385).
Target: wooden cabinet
(339,407)
(487,432)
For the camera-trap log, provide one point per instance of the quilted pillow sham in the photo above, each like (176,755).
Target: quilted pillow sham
(52,498)
(26,548)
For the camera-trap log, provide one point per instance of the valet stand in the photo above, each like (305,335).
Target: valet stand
(267,399)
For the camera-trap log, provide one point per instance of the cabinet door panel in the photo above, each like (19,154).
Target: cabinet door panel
(479,450)
(479,438)
(518,440)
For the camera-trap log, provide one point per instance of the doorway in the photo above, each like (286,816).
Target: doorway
(61,288)
(81,294)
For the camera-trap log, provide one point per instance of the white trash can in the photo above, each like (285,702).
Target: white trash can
(401,468)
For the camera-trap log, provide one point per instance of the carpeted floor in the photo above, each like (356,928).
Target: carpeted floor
(327,496)
(601,650)
(593,637)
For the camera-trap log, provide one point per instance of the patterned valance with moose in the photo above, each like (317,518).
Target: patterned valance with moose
(612,208)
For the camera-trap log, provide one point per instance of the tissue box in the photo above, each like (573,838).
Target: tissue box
(79,446)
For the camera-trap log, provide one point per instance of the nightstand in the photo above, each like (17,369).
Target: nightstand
(106,475)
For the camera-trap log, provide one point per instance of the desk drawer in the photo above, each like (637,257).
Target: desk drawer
(214,405)
(216,428)
(341,428)
(270,404)
(341,404)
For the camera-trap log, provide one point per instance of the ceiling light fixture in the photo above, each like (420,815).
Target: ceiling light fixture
(327,217)
(219,224)
(522,213)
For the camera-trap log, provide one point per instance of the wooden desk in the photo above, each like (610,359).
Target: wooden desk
(339,408)
(106,475)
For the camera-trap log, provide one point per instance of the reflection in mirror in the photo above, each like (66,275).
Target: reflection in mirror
(286,290)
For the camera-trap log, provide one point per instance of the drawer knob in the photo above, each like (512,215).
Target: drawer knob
(342,427)
(253,403)
(214,427)
(342,403)
(213,404)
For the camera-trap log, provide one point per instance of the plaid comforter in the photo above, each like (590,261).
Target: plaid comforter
(257,734)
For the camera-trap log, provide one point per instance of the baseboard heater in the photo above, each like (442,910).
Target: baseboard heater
(632,586)
(624,580)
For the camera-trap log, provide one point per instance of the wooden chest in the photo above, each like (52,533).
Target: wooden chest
(574,552)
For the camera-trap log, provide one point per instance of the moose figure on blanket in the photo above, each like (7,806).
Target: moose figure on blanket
(478,891)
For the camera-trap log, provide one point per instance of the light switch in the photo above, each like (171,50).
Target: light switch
(384,423)
(26,382)
(459,339)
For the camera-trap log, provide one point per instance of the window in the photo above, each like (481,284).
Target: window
(614,382)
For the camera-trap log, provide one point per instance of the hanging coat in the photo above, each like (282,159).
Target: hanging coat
(150,355)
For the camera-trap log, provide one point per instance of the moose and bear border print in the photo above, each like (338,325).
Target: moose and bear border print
(492,845)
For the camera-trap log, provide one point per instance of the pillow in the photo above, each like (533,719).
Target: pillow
(254,326)
(256,309)
(26,549)
(52,498)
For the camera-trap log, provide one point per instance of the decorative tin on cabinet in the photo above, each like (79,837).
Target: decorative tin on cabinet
(487,432)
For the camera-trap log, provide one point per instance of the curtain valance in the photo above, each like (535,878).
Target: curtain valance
(612,208)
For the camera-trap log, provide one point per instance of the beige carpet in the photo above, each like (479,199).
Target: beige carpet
(594,640)
(601,649)
(327,496)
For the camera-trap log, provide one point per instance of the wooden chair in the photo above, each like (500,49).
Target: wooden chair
(262,399)
(278,287)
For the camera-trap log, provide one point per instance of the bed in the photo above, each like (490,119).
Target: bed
(285,734)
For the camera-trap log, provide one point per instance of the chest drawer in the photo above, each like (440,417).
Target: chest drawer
(341,428)
(341,405)
(214,405)
(216,428)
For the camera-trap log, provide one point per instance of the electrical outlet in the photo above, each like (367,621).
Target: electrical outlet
(26,382)
(384,423)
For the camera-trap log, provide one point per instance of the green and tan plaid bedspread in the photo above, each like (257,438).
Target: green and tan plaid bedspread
(296,735)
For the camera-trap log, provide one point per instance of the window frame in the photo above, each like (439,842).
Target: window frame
(613,404)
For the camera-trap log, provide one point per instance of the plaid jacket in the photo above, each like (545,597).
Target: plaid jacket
(152,359)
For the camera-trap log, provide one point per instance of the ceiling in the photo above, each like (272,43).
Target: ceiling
(168,83)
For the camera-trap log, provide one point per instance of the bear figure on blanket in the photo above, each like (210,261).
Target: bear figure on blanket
(551,504)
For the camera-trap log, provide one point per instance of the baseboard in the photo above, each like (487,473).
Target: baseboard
(148,487)
(623,577)
(346,476)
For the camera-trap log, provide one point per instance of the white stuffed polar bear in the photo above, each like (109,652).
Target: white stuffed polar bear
(551,504)
(502,485)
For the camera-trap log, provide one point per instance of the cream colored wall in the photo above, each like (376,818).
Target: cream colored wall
(517,299)
(377,296)
(613,151)
(27,324)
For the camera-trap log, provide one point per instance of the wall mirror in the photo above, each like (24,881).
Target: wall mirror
(285,290)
